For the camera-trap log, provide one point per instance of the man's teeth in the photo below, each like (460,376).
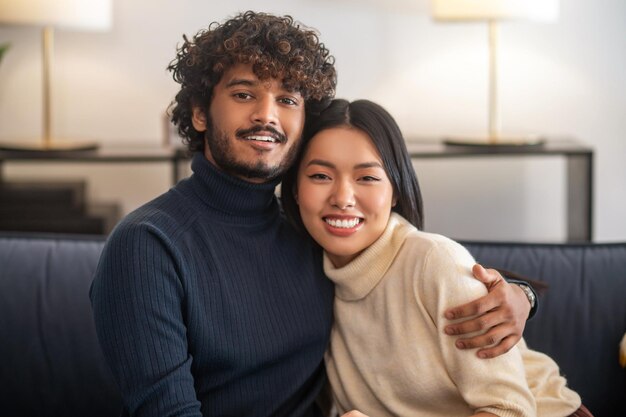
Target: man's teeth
(343,224)
(261,138)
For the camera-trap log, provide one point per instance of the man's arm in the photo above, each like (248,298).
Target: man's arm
(137,303)
(501,316)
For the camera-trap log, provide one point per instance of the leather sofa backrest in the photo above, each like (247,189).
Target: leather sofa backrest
(582,315)
(52,364)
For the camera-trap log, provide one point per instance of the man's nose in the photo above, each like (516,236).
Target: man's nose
(266,111)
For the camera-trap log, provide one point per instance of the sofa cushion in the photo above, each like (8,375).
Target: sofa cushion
(582,316)
(52,364)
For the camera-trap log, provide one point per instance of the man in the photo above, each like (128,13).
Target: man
(206,301)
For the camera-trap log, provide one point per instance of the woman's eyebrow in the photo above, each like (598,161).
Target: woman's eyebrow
(373,164)
(320,162)
(362,165)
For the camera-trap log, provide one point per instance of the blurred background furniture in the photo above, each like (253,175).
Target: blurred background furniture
(582,316)
(42,205)
(177,157)
(579,173)
(53,365)
(54,206)
(578,156)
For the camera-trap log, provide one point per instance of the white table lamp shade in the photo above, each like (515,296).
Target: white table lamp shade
(464,10)
(493,11)
(93,15)
(77,14)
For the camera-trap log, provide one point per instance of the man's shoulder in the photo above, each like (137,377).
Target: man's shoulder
(167,215)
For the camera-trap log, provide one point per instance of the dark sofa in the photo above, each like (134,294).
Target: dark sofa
(51,363)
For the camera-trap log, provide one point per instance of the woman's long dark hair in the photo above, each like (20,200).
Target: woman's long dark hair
(384,132)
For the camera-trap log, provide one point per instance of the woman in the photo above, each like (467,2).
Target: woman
(356,193)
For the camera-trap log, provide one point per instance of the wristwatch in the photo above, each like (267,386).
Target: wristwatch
(532,299)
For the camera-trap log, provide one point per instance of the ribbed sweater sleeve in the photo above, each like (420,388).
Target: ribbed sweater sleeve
(140,291)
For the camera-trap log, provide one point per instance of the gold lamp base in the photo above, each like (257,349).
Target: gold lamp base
(496,142)
(55,145)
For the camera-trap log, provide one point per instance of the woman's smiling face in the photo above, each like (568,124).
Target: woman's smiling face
(343,192)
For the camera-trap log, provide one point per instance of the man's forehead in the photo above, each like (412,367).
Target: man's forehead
(244,75)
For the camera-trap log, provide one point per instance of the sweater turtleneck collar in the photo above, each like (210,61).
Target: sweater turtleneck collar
(231,195)
(359,277)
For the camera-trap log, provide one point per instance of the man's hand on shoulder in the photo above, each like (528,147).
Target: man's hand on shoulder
(500,316)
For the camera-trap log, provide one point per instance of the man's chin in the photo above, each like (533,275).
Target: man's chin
(256,174)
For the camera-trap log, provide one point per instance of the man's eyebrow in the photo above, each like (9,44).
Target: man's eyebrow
(241,82)
(246,82)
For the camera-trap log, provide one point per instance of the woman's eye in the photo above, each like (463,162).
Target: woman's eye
(369,178)
(319,177)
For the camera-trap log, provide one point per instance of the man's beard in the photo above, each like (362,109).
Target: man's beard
(225,157)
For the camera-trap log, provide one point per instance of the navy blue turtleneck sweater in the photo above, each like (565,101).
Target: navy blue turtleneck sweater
(207,303)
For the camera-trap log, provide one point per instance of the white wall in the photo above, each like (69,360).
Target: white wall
(564,78)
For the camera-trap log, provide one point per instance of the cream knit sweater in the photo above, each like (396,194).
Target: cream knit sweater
(389,356)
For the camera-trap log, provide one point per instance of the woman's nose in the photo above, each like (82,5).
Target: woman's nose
(343,196)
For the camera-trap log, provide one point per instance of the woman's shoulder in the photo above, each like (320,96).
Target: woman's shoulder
(439,262)
(436,246)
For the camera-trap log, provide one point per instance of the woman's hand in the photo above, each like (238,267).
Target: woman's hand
(500,316)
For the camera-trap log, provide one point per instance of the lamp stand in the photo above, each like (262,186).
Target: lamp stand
(494,138)
(48,143)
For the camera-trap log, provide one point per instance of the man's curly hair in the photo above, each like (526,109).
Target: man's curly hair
(276,46)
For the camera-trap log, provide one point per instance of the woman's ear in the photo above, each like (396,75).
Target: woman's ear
(294,191)
(198,118)
(394,201)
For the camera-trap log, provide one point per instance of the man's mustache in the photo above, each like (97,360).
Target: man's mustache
(281,138)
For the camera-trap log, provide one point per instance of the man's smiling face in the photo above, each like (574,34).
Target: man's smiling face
(256,125)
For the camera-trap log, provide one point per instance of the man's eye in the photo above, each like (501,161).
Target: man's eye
(242,96)
(289,101)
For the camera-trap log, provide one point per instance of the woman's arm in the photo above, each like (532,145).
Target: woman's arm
(486,386)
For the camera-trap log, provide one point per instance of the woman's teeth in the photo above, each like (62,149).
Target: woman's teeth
(343,224)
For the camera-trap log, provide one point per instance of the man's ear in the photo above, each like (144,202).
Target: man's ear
(198,118)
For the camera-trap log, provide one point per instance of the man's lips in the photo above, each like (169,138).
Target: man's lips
(262,134)
(260,138)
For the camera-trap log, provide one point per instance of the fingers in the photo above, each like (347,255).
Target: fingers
(504,346)
(481,323)
(495,285)
(485,276)
(479,306)
(497,320)
(488,339)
